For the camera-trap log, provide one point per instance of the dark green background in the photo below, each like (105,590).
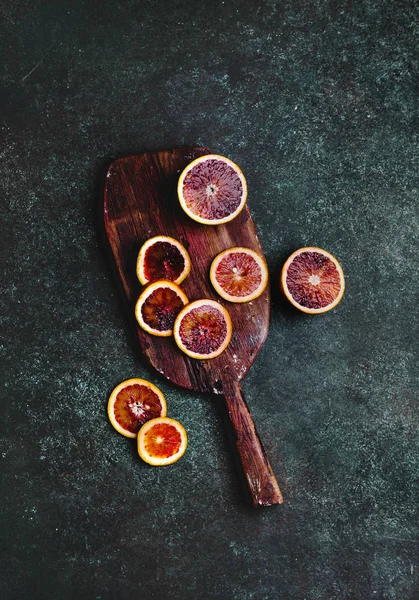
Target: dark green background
(318,103)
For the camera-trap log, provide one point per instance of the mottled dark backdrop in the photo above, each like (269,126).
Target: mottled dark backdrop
(317,101)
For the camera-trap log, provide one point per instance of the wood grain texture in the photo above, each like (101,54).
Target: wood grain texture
(140,201)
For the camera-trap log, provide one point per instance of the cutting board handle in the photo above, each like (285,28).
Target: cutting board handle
(260,478)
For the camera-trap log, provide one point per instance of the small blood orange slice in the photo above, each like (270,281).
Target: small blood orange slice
(313,280)
(134,402)
(162,257)
(212,189)
(203,329)
(158,306)
(239,274)
(162,441)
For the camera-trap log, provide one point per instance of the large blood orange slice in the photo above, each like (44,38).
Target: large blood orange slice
(203,329)
(158,306)
(162,257)
(162,441)
(312,280)
(212,189)
(134,402)
(239,274)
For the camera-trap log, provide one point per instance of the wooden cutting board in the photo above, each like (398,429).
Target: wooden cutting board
(140,201)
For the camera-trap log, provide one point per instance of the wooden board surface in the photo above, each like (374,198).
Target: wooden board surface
(140,201)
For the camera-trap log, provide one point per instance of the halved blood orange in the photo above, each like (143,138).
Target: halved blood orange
(162,257)
(239,274)
(203,329)
(134,402)
(162,441)
(212,189)
(158,306)
(312,280)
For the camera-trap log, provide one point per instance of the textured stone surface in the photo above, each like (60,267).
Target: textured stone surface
(317,102)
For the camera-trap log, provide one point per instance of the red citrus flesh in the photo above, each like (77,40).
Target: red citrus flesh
(135,405)
(163,261)
(213,190)
(238,274)
(203,329)
(162,440)
(160,309)
(313,280)
(162,257)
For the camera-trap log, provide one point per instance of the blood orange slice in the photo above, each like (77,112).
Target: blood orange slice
(162,441)
(134,402)
(162,257)
(212,189)
(313,280)
(239,274)
(158,306)
(203,329)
